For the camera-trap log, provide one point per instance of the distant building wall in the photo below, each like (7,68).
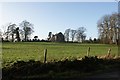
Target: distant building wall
(57,38)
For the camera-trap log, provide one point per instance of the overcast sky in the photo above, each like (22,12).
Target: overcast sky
(57,16)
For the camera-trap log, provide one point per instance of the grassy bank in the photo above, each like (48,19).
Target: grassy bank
(12,52)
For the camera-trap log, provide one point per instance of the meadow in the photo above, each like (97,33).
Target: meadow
(12,52)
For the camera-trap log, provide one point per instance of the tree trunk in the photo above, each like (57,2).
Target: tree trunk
(12,37)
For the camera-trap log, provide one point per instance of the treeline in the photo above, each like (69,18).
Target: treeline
(79,35)
(70,35)
(75,35)
(109,28)
(12,32)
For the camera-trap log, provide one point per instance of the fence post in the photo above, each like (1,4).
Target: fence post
(109,52)
(88,51)
(45,55)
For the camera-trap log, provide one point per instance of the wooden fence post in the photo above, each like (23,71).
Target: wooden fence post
(109,52)
(88,51)
(45,55)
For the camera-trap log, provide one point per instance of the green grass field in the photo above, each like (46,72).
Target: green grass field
(12,52)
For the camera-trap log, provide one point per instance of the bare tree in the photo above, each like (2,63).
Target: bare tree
(114,28)
(1,35)
(67,34)
(9,31)
(108,28)
(83,37)
(4,30)
(80,34)
(73,32)
(27,29)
